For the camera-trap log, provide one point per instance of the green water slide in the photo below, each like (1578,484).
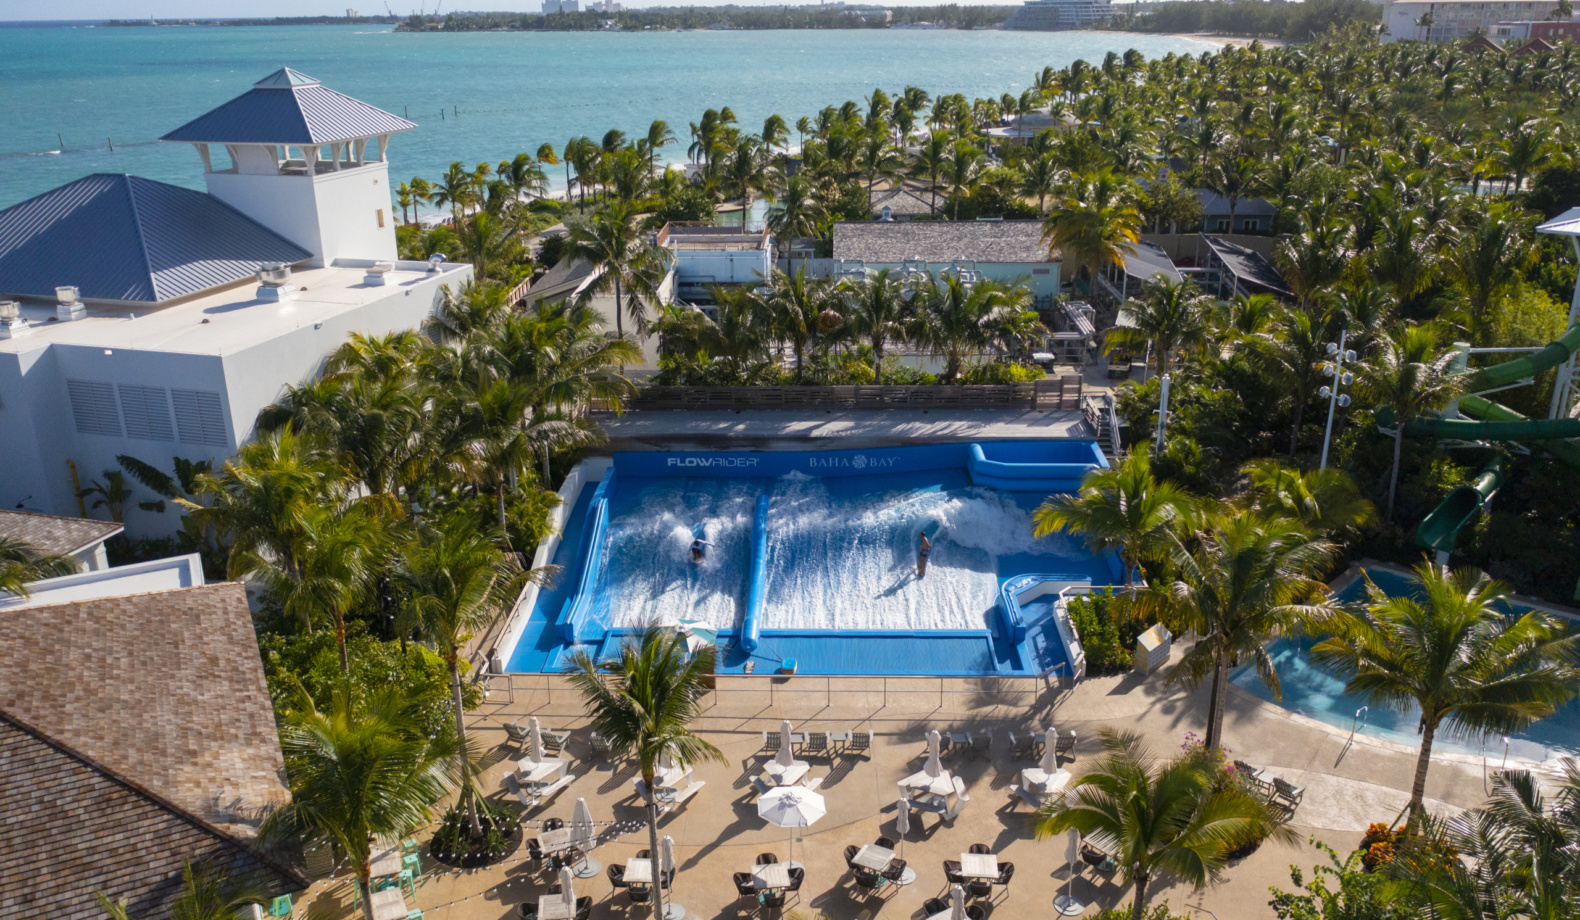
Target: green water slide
(1440,531)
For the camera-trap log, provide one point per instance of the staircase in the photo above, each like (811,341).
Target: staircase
(1098,410)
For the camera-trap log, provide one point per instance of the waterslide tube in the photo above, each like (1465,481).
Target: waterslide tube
(1440,530)
(1556,430)
(756,581)
(576,622)
(1501,424)
(1555,353)
(1024,477)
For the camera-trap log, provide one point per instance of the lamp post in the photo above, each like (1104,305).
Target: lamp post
(1163,416)
(1341,378)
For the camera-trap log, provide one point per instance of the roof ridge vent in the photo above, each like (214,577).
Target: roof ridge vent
(285,78)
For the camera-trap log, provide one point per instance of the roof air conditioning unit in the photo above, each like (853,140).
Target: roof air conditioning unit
(273,283)
(68,305)
(376,273)
(11,322)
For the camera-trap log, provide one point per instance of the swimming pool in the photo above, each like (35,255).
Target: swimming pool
(1310,692)
(813,556)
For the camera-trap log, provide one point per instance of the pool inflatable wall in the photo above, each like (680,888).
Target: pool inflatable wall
(577,623)
(1012,466)
(756,581)
(1019,467)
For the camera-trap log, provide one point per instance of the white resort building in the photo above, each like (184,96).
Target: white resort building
(1456,20)
(1055,15)
(142,318)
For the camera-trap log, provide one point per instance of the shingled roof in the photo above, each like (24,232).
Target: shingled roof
(166,689)
(55,536)
(74,827)
(941,241)
(289,107)
(127,239)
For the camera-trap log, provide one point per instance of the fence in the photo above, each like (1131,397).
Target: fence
(1053,393)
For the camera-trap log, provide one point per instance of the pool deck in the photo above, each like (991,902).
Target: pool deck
(718,832)
(804,429)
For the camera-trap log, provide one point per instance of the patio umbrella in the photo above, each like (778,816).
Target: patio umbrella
(666,849)
(957,904)
(784,757)
(666,865)
(536,731)
(584,836)
(698,633)
(791,806)
(1050,742)
(933,767)
(902,822)
(568,889)
(1064,903)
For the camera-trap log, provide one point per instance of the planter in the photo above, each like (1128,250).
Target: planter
(470,853)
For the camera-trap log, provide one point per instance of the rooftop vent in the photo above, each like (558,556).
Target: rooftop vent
(68,308)
(273,282)
(376,273)
(888,214)
(11,322)
(434,261)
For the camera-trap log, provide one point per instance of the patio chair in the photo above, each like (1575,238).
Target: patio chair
(1029,796)
(584,907)
(1288,793)
(771,741)
(759,785)
(517,735)
(895,869)
(616,874)
(639,894)
(554,740)
(979,848)
(514,787)
(773,897)
(860,742)
(982,742)
(745,890)
(553,824)
(884,842)
(816,743)
(934,906)
(944,744)
(1021,745)
(528,910)
(1065,744)
(980,888)
(868,879)
(600,745)
(952,872)
(974,911)
(766,859)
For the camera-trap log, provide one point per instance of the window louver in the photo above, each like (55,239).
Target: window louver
(146,411)
(200,417)
(93,407)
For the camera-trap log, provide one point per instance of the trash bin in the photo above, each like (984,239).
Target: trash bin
(1152,648)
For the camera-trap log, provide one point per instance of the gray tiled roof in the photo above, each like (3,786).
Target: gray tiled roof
(1149,260)
(166,689)
(52,535)
(288,107)
(941,241)
(74,827)
(900,200)
(1216,205)
(120,237)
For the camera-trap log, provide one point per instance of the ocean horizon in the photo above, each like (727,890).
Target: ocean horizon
(74,91)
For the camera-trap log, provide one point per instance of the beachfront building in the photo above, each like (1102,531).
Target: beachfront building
(998,250)
(1056,15)
(141,318)
(1457,20)
(1229,270)
(1248,214)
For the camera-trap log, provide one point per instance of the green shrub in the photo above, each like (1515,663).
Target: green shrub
(1108,639)
(1001,372)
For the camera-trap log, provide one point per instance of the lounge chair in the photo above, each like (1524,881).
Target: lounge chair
(600,745)
(813,783)
(816,743)
(1065,744)
(859,743)
(771,741)
(1029,796)
(1288,793)
(542,793)
(1021,745)
(759,785)
(517,735)
(982,742)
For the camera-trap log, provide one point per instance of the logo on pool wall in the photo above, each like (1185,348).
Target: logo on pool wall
(708,462)
(858,462)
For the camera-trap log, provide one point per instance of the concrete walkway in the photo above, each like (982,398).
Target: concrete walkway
(718,832)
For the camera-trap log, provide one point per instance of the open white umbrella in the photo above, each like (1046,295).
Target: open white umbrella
(584,836)
(957,904)
(536,731)
(791,806)
(568,889)
(933,768)
(784,757)
(1064,903)
(698,633)
(1050,743)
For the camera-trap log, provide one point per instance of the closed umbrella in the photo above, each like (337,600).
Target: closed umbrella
(784,757)
(584,836)
(933,768)
(957,904)
(536,731)
(666,865)
(568,889)
(1064,903)
(902,826)
(791,806)
(1050,743)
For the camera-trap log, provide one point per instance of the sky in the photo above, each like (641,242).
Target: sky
(219,9)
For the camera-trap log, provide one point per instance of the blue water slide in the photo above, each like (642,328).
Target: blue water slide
(577,623)
(756,581)
(1011,467)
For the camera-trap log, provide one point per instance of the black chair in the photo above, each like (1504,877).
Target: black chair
(980,848)
(974,911)
(934,906)
(884,842)
(583,907)
(1006,871)
(850,855)
(952,872)
(553,824)
(556,889)
(773,897)
(797,876)
(866,878)
(616,875)
(640,894)
(895,869)
(535,850)
(528,910)
(744,889)
(644,854)
(767,859)
(573,856)
(980,888)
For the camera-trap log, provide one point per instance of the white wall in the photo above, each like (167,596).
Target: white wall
(334,215)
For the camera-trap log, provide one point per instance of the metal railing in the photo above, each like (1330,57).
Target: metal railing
(1098,410)
(1053,393)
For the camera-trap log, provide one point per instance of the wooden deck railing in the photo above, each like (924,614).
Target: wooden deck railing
(1052,393)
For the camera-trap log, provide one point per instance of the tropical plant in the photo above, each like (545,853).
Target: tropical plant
(1170,317)
(208,892)
(957,318)
(623,260)
(1406,381)
(1449,649)
(1096,225)
(644,700)
(1159,817)
(21,563)
(879,314)
(1325,501)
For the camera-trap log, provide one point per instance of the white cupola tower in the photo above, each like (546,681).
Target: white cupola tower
(306,162)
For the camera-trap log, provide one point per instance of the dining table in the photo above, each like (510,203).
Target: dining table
(639,871)
(979,865)
(778,774)
(874,857)
(555,841)
(771,875)
(555,907)
(386,864)
(389,904)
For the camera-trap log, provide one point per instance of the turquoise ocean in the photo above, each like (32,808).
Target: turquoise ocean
(68,92)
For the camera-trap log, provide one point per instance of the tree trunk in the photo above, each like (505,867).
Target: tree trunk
(1418,789)
(877,361)
(1294,433)
(499,491)
(1220,680)
(652,844)
(460,732)
(1393,479)
(619,330)
(365,885)
(340,642)
(1139,907)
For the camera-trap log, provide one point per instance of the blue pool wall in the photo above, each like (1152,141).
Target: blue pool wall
(1041,467)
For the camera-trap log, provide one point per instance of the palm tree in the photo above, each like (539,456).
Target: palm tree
(470,313)
(21,562)
(879,313)
(208,892)
(523,174)
(932,159)
(1406,383)
(1236,177)
(1448,649)
(957,319)
(1295,353)
(623,258)
(1325,501)
(1096,225)
(1314,258)
(1489,255)
(800,212)
(1247,579)
(456,583)
(1042,177)
(1157,817)
(658,137)
(490,243)
(1170,317)
(794,302)
(962,167)
(403,197)
(456,189)
(747,171)
(644,701)
(363,767)
(1122,509)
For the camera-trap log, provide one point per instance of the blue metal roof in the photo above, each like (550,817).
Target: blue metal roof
(288,107)
(119,237)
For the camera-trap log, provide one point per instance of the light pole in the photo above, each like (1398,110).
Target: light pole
(1163,416)
(1341,378)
